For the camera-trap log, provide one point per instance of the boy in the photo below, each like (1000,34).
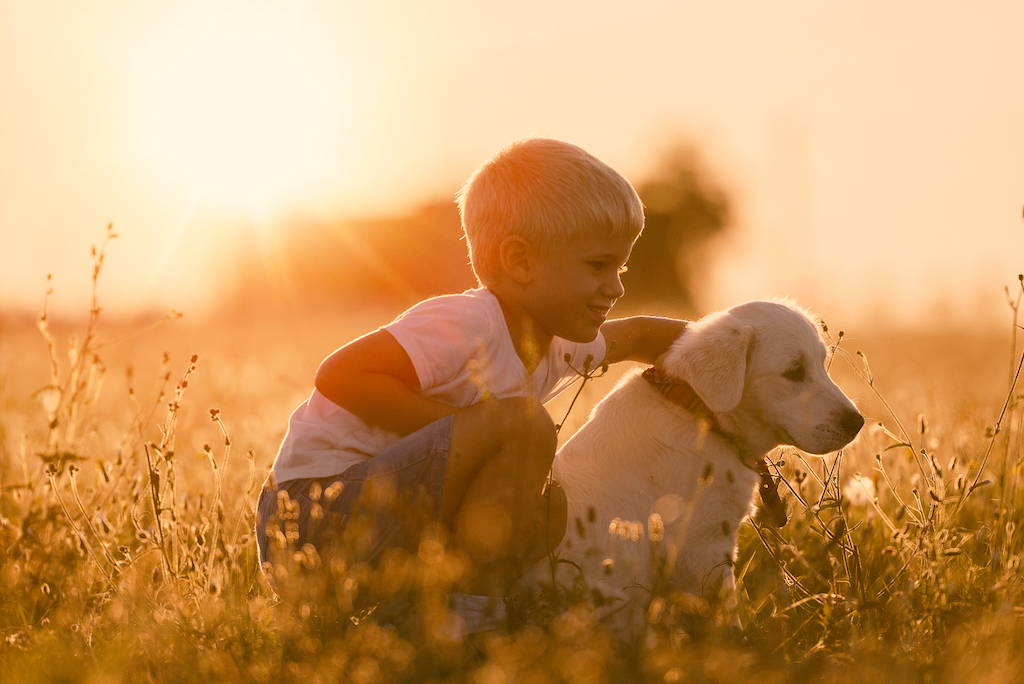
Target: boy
(444,403)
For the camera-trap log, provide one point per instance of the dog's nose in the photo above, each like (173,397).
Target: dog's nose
(851,422)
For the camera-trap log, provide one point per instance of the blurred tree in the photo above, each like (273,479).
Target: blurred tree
(684,210)
(384,263)
(393,262)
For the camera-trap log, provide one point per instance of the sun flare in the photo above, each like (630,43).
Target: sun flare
(239,108)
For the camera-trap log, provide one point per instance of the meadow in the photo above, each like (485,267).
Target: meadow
(132,452)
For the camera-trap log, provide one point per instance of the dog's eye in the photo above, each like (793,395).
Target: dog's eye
(796,373)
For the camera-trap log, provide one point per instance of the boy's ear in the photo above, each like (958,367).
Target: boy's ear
(517,257)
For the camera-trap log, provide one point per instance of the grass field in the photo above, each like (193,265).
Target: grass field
(130,468)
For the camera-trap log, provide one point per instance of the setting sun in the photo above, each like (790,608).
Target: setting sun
(239,109)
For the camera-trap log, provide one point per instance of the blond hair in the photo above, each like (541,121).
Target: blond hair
(547,192)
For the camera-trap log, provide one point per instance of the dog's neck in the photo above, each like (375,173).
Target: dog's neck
(682,393)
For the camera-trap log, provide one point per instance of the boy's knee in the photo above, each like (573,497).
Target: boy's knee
(517,431)
(525,413)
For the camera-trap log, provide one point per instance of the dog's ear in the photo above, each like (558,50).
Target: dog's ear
(712,356)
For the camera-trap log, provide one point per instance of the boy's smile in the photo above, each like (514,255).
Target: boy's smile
(567,290)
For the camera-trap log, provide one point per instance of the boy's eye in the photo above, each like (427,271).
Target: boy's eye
(602,265)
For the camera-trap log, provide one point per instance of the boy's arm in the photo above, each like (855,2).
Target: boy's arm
(641,338)
(374,378)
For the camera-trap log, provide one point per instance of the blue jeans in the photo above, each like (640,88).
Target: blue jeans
(386,501)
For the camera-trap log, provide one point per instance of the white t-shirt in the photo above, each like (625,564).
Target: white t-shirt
(462,351)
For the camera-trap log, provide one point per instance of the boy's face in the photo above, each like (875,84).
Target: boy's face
(576,283)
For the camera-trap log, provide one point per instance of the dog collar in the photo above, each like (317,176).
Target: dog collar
(682,393)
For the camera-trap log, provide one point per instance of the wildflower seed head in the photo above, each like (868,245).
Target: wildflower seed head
(581,530)
(655,610)
(655,527)
(333,490)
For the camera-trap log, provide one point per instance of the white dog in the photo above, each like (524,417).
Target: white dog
(675,455)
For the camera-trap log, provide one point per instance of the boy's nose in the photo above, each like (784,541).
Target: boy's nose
(613,287)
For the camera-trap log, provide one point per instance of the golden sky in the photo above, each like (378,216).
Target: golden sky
(874,150)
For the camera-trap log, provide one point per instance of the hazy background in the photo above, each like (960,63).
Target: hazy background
(870,154)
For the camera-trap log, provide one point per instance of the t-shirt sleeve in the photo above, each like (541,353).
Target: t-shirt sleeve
(440,336)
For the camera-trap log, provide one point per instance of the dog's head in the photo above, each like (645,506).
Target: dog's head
(760,367)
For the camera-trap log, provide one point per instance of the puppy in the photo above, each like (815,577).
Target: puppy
(676,454)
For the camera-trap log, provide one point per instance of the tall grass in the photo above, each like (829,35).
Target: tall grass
(128,555)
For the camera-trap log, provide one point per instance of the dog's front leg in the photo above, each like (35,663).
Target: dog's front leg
(706,570)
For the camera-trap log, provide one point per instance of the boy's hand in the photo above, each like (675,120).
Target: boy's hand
(374,378)
(641,338)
